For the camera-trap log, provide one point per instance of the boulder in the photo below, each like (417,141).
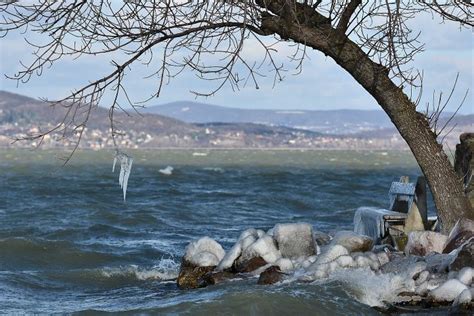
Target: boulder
(264,247)
(204,252)
(295,240)
(284,264)
(270,276)
(216,277)
(249,265)
(460,234)
(230,257)
(321,238)
(465,275)
(331,253)
(421,243)
(352,241)
(448,291)
(464,257)
(464,298)
(190,275)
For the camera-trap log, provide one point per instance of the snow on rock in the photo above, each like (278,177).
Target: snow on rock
(230,257)
(448,291)
(295,240)
(331,253)
(465,275)
(464,298)
(264,247)
(421,243)
(285,264)
(353,241)
(204,252)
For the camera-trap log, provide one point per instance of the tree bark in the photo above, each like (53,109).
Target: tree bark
(313,30)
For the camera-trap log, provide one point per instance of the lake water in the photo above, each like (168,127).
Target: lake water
(68,242)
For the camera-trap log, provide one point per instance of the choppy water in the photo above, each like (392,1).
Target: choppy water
(68,243)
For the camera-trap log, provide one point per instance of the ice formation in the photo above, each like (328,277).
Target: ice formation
(295,240)
(204,252)
(369,221)
(448,291)
(125,169)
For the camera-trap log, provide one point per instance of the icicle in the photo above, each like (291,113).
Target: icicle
(125,169)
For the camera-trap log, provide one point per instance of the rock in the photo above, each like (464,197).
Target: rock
(464,298)
(448,291)
(212,278)
(321,238)
(270,276)
(295,240)
(331,253)
(249,265)
(263,247)
(230,257)
(190,275)
(204,252)
(284,264)
(460,234)
(421,243)
(353,241)
(247,241)
(345,262)
(465,275)
(464,257)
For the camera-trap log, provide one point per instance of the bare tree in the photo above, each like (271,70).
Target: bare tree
(369,39)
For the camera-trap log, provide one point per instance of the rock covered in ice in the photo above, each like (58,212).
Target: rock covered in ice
(264,247)
(464,256)
(353,241)
(464,298)
(230,256)
(465,275)
(295,240)
(462,231)
(204,252)
(321,238)
(285,264)
(331,253)
(421,243)
(249,264)
(448,291)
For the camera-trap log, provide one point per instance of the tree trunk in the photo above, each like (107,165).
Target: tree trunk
(445,185)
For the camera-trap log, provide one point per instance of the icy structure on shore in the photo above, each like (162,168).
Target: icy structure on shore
(375,275)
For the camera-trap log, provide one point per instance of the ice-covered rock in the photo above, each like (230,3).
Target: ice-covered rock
(448,291)
(421,243)
(229,258)
(464,256)
(353,241)
(285,264)
(249,232)
(295,240)
(321,238)
(460,234)
(204,252)
(331,253)
(464,298)
(264,247)
(465,275)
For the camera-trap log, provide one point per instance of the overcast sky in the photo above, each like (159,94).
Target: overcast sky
(321,85)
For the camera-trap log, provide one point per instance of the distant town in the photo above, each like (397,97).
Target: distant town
(21,116)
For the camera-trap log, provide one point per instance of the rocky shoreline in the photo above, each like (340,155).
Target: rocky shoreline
(433,270)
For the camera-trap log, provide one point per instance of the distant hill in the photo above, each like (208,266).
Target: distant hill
(330,121)
(338,122)
(20,115)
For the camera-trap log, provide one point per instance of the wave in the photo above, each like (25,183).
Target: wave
(22,253)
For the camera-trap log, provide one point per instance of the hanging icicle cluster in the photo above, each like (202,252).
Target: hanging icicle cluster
(125,168)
